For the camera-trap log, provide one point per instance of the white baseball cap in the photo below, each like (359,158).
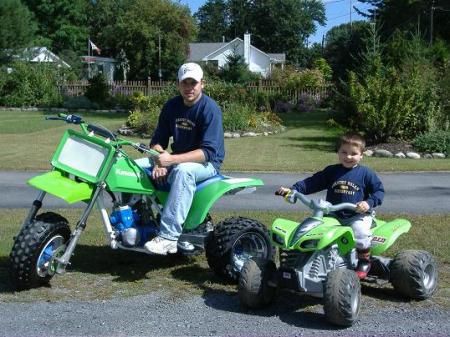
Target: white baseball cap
(190,70)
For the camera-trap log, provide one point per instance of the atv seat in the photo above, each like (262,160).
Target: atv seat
(166,186)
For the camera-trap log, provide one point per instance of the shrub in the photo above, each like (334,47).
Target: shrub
(98,90)
(389,103)
(29,85)
(437,141)
(79,102)
(236,116)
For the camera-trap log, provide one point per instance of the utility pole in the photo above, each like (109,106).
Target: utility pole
(159,54)
(431,22)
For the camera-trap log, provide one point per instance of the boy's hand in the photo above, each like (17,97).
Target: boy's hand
(362,207)
(283,191)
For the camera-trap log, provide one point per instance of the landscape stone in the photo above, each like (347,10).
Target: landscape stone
(236,135)
(412,155)
(399,155)
(428,156)
(368,153)
(227,135)
(249,134)
(383,153)
(438,155)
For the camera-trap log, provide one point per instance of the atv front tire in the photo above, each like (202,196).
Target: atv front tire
(234,241)
(257,283)
(36,246)
(414,274)
(342,297)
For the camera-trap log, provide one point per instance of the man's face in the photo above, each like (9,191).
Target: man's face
(349,155)
(190,90)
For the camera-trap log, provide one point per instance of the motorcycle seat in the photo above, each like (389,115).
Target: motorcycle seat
(200,184)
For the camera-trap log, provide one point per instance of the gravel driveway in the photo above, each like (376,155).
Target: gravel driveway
(219,314)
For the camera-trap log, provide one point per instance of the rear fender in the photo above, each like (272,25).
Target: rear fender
(208,195)
(55,183)
(386,233)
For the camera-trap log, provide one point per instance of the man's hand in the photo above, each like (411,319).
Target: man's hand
(165,159)
(159,173)
(362,207)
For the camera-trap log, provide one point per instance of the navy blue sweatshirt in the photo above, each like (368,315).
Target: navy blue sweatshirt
(195,127)
(345,185)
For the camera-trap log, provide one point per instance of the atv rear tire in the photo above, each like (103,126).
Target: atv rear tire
(342,297)
(234,241)
(414,274)
(34,248)
(257,283)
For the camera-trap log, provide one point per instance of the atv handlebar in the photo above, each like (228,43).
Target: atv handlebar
(102,131)
(317,205)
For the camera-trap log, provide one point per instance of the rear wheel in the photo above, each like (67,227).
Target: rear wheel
(257,283)
(233,242)
(35,249)
(414,274)
(342,297)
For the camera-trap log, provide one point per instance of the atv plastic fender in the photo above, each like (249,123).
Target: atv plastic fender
(207,196)
(386,233)
(62,187)
(329,232)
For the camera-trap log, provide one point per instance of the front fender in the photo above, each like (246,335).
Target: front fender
(207,196)
(62,187)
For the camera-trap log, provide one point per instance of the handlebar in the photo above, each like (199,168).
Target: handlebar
(317,205)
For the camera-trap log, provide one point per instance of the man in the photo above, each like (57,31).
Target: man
(194,120)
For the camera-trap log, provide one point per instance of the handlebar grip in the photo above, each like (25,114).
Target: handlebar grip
(142,148)
(101,131)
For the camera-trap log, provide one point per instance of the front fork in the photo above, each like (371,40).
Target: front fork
(63,261)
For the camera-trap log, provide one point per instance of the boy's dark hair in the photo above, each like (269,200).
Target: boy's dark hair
(353,139)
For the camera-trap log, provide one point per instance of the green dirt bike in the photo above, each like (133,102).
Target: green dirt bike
(318,258)
(92,164)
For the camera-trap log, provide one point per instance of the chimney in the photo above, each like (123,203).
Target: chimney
(247,48)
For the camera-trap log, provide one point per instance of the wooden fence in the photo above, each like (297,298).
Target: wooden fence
(78,88)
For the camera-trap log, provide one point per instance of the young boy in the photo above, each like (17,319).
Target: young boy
(349,182)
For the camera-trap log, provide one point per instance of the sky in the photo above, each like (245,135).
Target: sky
(337,12)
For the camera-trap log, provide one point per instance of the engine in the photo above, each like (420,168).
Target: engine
(133,227)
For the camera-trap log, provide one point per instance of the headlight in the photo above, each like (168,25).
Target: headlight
(309,244)
(278,239)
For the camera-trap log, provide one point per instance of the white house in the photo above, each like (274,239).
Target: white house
(257,60)
(40,54)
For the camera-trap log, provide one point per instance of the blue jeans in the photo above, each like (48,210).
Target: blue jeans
(183,180)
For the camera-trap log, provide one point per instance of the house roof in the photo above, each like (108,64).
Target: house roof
(40,54)
(199,51)
(277,57)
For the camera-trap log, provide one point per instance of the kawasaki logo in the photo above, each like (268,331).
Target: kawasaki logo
(126,173)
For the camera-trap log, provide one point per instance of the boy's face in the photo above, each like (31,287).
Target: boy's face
(349,155)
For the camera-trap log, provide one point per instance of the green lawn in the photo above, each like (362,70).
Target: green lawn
(120,273)
(306,146)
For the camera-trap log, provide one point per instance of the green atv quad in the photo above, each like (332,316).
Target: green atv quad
(318,258)
(92,166)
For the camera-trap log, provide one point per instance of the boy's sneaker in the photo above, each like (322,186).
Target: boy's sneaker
(362,269)
(161,246)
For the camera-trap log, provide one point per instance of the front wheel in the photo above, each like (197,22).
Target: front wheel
(414,274)
(342,297)
(35,249)
(233,242)
(257,283)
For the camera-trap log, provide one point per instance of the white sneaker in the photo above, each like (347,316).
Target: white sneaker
(161,246)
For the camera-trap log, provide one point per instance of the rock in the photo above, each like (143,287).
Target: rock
(438,155)
(399,155)
(368,153)
(227,135)
(428,156)
(265,133)
(125,131)
(249,134)
(382,153)
(412,155)
(236,135)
